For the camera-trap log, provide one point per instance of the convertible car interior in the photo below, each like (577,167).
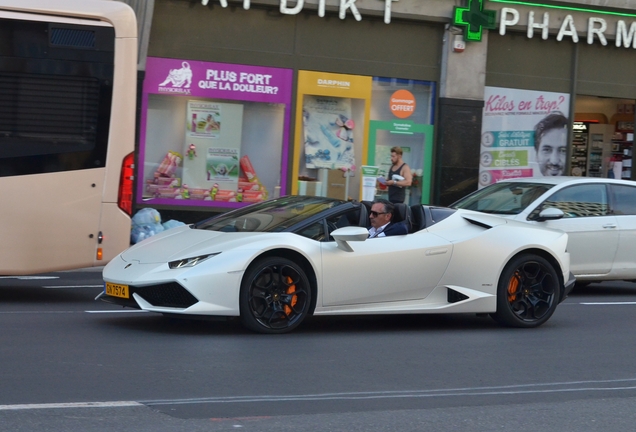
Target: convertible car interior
(416,217)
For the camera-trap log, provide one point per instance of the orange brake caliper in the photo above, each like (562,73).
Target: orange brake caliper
(512,287)
(290,290)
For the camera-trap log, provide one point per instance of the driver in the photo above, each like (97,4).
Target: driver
(380,216)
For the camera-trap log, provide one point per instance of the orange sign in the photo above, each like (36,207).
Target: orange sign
(402,103)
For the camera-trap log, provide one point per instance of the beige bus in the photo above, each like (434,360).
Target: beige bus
(68,74)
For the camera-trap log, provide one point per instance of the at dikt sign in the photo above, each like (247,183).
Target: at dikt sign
(474,19)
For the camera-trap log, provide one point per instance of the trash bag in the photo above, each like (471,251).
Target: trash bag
(146,216)
(172,224)
(145,223)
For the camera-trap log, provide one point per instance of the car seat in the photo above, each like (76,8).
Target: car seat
(367,205)
(420,217)
(402,213)
(363,220)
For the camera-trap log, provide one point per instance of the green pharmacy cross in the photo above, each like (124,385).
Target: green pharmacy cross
(475,19)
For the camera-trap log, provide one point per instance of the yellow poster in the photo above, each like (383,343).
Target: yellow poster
(332,119)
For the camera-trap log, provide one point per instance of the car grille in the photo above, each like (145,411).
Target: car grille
(170,294)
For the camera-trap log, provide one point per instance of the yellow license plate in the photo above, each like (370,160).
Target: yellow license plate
(117,290)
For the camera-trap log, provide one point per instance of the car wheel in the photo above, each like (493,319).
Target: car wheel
(275,296)
(528,292)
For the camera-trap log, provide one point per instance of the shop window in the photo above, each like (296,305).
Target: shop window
(213,134)
(402,114)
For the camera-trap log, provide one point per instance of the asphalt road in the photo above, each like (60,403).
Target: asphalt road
(69,363)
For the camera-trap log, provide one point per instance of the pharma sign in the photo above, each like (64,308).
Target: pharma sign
(620,26)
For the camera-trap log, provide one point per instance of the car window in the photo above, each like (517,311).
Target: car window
(341,220)
(503,198)
(315,231)
(269,216)
(623,199)
(578,201)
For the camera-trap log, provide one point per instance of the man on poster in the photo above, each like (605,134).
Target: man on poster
(550,142)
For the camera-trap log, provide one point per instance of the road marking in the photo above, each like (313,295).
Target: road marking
(72,286)
(29,277)
(116,404)
(39,312)
(116,311)
(572,386)
(607,303)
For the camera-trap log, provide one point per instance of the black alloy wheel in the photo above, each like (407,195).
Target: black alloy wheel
(528,292)
(275,296)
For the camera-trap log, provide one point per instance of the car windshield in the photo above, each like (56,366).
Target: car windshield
(508,198)
(269,216)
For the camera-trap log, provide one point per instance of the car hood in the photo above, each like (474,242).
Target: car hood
(185,242)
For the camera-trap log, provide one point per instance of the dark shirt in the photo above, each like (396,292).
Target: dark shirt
(397,194)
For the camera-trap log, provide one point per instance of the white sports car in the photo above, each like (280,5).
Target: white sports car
(273,263)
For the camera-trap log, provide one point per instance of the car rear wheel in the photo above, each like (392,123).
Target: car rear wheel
(275,296)
(528,292)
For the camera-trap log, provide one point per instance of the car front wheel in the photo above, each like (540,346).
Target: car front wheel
(528,292)
(275,296)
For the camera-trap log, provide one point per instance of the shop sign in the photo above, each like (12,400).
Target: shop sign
(596,28)
(474,19)
(195,78)
(345,5)
(402,104)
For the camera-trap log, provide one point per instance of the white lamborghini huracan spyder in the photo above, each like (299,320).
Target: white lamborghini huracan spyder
(273,263)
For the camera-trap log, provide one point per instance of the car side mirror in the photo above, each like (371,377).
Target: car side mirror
(347,234)
(550,213)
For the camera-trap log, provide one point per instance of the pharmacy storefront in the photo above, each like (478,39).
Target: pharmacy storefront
(560,94)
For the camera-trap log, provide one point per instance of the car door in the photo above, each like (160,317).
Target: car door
(624,208)
(592,230)
(383,269)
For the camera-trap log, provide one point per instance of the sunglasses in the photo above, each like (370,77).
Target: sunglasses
(375,213)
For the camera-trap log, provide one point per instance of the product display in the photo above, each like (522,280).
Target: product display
(195,140)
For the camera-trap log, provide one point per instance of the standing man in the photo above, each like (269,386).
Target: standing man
(550,142)
(397,193)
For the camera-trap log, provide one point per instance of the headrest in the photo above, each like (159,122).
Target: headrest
(400,212)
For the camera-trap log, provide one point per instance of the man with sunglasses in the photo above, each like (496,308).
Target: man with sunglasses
(380,216)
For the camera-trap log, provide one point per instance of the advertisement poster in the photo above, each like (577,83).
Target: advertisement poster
(524,134)
(331,132)
(212,156)
(205,119)
(223,165)
(213,134)
(328,132)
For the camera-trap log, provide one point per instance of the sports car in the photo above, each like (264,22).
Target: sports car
(273,263)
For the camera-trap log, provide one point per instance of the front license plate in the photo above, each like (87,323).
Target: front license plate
(117,290)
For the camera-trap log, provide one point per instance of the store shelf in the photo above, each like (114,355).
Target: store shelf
(578,158)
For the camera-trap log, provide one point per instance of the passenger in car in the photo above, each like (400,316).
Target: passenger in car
(381,224)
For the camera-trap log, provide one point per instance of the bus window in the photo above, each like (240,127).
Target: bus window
(67,128)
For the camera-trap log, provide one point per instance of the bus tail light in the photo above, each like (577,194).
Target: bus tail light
(124,199)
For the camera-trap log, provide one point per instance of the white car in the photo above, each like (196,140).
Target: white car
(598,214)
(275,262)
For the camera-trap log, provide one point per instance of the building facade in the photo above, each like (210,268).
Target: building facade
(244,100)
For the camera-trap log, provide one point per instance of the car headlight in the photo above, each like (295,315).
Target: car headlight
(190,262)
